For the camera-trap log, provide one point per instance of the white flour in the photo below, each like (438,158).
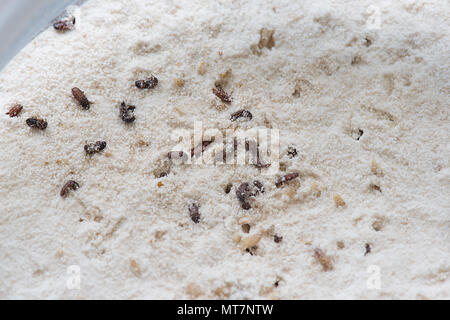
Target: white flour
(333,70)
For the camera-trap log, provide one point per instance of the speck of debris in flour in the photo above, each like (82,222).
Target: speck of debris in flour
(368,249)
(338,201)
(325,261)
(292,152)
(291,68)
(246,228)
(228,188)
(135,268)
(277,239)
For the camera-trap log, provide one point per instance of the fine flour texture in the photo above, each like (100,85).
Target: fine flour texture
(359,91)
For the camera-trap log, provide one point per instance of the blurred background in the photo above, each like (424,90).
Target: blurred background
(22,20)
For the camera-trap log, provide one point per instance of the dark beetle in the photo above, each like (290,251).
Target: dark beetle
(127,113)
(65,24)
(148,83)
(36,123)
(95,147)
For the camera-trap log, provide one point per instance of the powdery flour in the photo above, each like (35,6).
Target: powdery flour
(365,104)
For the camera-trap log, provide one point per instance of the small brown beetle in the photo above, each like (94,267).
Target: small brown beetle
(241,114)
(286,178)
(70,185)
(81,98)
(222,95)
(15,111)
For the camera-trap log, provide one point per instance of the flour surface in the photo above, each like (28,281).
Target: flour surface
(363,101)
